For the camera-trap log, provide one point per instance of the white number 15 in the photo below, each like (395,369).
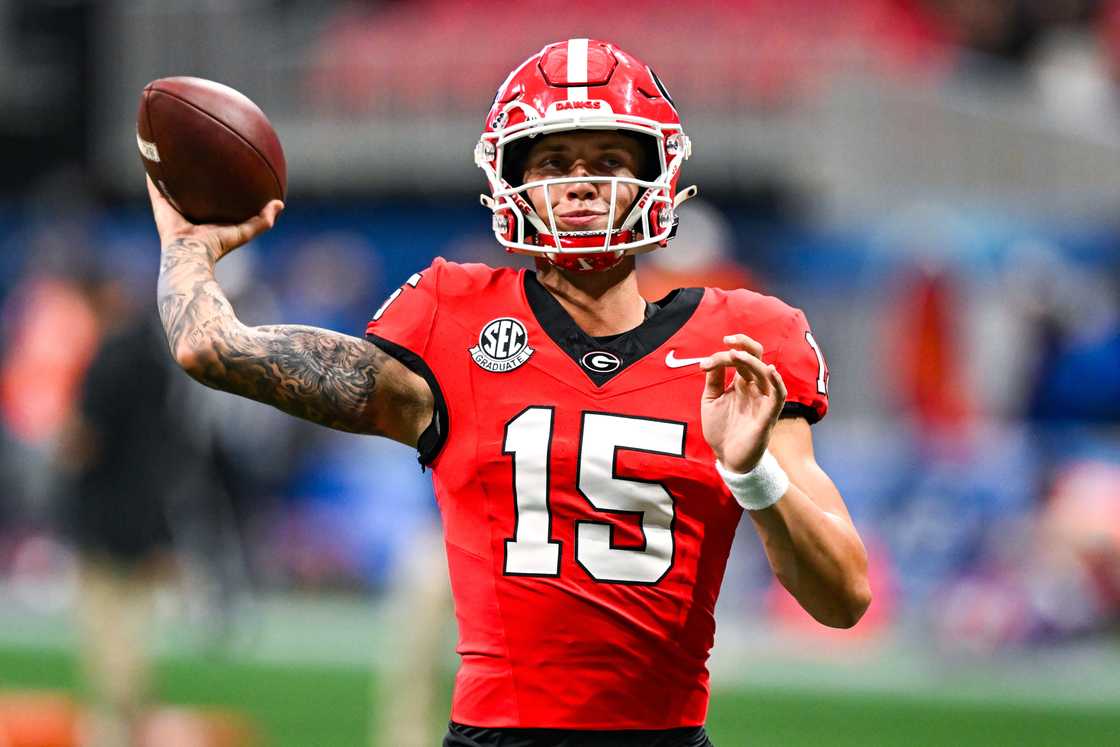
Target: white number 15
(532,552)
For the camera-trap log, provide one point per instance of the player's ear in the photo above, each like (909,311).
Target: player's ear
(647,166)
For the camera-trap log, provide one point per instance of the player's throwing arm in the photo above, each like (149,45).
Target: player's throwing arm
(328,378)
(217,177)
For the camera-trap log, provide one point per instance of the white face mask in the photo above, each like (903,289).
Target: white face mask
(651,220)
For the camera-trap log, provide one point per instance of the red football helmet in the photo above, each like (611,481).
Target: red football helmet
(583,84)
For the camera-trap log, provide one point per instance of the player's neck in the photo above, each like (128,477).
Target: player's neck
(601,303)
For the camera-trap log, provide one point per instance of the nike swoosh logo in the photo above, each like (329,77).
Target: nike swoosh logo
(672,361)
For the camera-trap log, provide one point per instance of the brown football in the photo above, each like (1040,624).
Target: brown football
(210,150)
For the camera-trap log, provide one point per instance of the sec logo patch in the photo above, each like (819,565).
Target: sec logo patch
(503,345)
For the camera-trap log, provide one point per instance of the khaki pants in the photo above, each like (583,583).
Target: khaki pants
(115,614)
(421,616)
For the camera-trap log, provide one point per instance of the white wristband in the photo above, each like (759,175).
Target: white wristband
(761,487)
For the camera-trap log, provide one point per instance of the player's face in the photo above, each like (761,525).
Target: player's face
(583,206)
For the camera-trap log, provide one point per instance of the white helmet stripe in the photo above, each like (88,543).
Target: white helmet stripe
(577,69)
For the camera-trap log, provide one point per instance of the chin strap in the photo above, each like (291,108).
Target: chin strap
(581,263)
(580,239)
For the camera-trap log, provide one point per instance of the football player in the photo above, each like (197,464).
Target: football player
(592,453)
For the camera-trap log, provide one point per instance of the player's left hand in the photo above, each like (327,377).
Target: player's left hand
(737,419)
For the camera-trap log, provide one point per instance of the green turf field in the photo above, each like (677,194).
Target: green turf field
(301,705)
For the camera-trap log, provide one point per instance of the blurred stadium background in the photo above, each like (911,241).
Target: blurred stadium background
(934,181)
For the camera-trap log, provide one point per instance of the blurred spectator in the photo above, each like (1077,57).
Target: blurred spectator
(129,455)
(52,324)
(1049,577)
(925,352)
(40,378)
(418,661)
(143,469)
(1073,316)
(1080,523)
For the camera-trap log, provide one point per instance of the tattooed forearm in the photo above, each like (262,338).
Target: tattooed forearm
(322,376)
(311,373)
(188,294)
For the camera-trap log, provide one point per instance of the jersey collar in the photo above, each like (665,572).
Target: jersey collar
(673,311)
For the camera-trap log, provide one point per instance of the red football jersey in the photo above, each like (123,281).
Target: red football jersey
(587,530)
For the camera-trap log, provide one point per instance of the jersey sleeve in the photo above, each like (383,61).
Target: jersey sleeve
(402,327)
(801,363)
(407,315)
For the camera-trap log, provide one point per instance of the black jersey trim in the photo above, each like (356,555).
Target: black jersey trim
(670,314)
(800,410)
(431,440)
(461,735)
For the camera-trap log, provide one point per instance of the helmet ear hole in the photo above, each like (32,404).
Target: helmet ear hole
(650,167)
(516,155)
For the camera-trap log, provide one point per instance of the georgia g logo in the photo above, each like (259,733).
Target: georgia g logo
(601,361)
(503,345)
